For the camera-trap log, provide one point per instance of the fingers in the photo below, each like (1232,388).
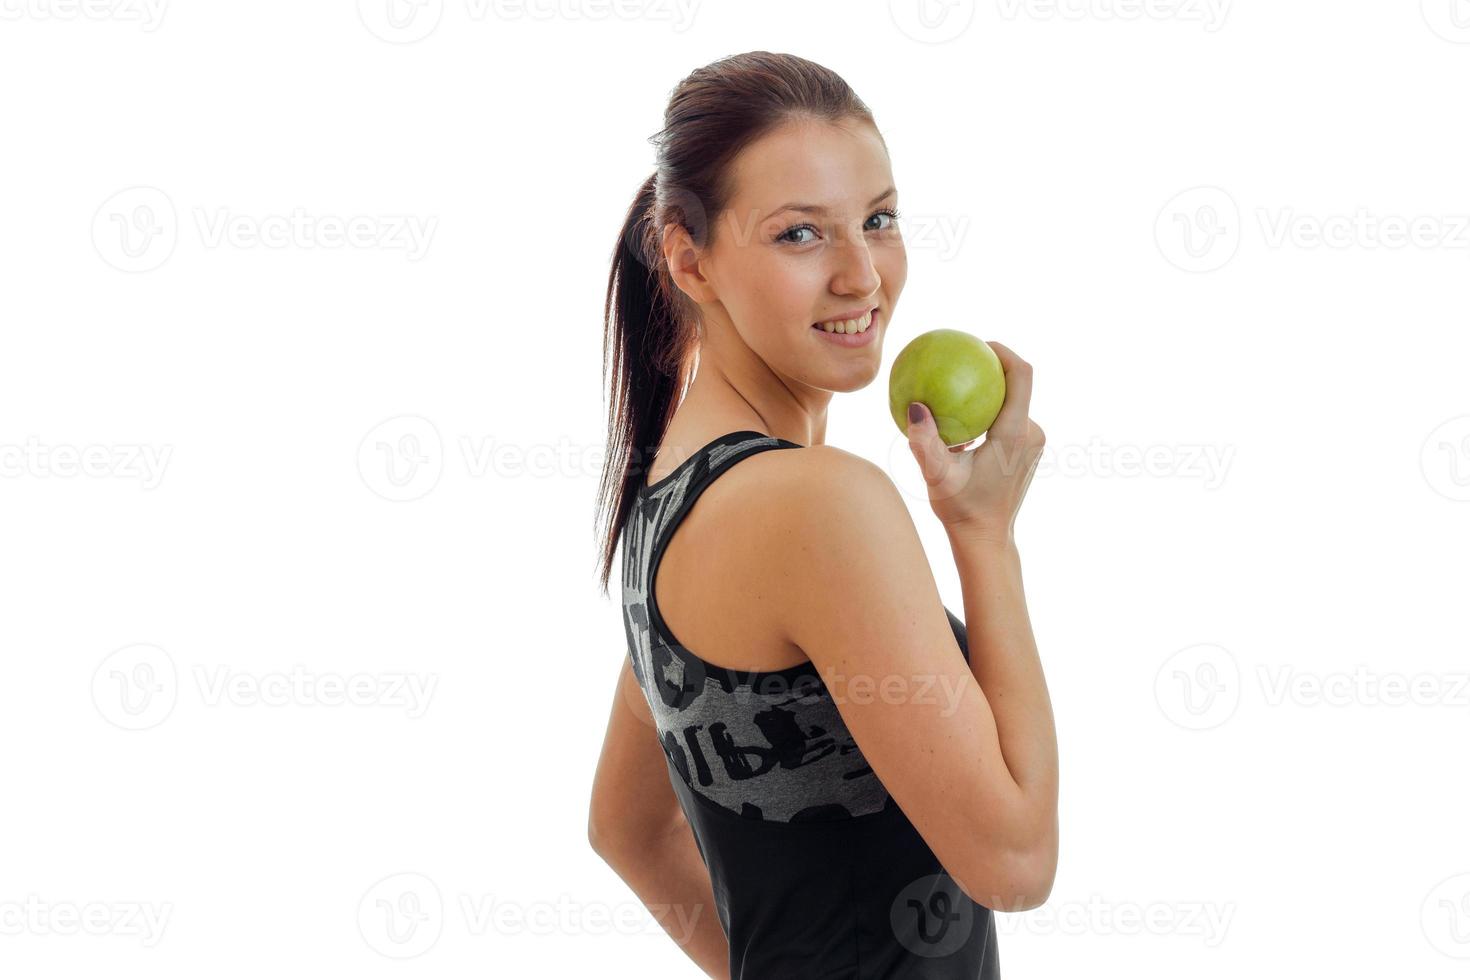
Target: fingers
(1012,422)
(927,447)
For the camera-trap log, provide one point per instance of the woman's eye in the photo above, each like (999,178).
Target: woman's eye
(789,234)
(786,236)
(888,213)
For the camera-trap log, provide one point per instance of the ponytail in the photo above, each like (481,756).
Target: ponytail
(646,343)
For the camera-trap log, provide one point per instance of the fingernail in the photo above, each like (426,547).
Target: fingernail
(916,412)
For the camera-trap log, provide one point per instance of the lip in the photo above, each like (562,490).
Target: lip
(849,315)
(851,339)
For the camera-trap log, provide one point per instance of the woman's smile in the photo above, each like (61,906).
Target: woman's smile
(850,330)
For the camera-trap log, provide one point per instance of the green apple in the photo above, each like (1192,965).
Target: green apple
(957,375)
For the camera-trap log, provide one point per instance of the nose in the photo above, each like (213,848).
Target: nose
(855,274)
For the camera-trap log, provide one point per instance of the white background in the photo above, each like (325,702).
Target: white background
(374,463)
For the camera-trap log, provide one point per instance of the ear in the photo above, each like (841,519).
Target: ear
(683,258)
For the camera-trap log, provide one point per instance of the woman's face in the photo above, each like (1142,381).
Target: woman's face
(810,237)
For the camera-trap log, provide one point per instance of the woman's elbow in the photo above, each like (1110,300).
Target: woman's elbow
(1038,875)
(607,837)
(1021,882)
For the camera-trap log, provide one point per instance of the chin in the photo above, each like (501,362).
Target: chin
(854,382)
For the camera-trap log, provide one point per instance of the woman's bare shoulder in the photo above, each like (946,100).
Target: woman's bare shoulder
(823,467)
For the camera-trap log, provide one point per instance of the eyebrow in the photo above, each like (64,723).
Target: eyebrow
(819,209)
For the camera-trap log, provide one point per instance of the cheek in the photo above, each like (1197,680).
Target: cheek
(786,291)
(893,268)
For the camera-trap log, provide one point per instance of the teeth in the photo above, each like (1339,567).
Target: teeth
(849,326)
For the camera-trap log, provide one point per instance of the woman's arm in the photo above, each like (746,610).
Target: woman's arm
(635,824)
(1007,666)
(670,877)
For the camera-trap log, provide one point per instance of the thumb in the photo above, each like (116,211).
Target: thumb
(923,440)
(918,419)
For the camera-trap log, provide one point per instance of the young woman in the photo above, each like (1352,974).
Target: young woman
(826,775)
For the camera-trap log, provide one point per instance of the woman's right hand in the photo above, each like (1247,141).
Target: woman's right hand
(978,492)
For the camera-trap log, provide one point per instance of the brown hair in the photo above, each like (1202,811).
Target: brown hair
(650,338)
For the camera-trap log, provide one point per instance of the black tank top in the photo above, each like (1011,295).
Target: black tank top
(817,873)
